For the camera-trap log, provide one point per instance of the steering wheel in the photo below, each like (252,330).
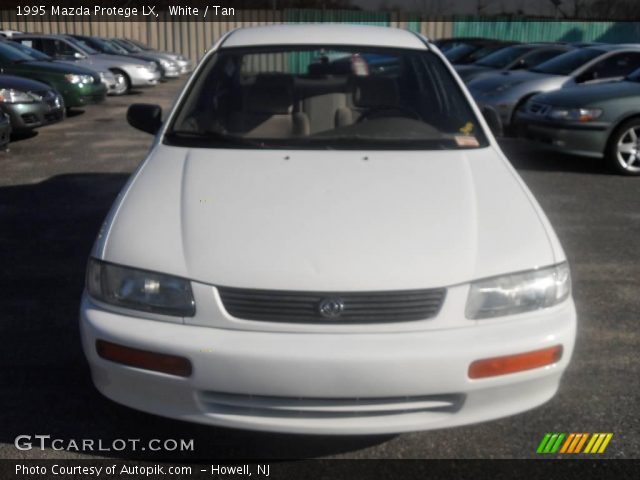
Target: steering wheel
(387,111)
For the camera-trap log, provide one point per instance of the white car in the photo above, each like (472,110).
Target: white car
(330,250)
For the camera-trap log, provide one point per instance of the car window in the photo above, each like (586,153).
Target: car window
(9,54)
(82,46)
(615,66)
(326,98)
(503,57)
(32,52)
(459,52)
(63,49)
(536,58)
(569,62)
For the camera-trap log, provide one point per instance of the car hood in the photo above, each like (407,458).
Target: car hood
(107,58)
(326,220)
(509,79)
(23,84)
(591,95)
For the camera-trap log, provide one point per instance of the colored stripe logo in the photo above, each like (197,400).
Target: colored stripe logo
(574,443)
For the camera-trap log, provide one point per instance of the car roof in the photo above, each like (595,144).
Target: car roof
(324,34)
(612,47)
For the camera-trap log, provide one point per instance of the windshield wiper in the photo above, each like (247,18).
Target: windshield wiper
(214,137)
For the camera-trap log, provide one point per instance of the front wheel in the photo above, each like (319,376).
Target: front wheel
(623,149)
(123,84)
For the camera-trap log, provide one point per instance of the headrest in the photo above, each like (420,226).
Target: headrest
(374,91)
(270,93)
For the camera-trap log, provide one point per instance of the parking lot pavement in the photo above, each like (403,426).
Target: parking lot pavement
(55,189)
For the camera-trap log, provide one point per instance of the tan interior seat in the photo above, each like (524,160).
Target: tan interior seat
(268,110)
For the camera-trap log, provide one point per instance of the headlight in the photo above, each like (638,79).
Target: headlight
(139,289)
(9,95)
(78,79)
(575,114)
(518,292)
(151,66)
(165,63)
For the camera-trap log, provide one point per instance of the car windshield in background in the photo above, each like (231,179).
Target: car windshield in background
(35,54)
(503,57)
(106,46)
(82,45)
(129,47)
(568,62)
(333,98)
(11,54)
(459,52)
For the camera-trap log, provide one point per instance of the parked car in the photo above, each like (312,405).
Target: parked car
(469,53)
(390,273)
(29,104)
(129,72)
(78,86)
(5,131)
(9,33)
(515,57)
(599,121)
(504,94)
(168,68)
(186,65)
(445,44)
(107,78)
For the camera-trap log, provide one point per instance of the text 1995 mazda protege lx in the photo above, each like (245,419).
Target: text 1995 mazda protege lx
(326,238)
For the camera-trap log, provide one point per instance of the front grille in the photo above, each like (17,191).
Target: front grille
(358,307)
(307,407)
(539,108)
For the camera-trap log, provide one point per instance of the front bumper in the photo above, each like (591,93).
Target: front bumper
(583,140)
(186,66)
(142,77)
(78,96)
(325,383)
(26,116)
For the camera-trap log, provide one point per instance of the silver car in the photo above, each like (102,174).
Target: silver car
(186,65)
(168,68)
(503,94)
(129,72)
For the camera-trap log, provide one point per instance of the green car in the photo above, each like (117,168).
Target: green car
(78,86)
(597,121)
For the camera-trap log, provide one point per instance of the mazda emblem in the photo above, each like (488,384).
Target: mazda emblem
(331,307)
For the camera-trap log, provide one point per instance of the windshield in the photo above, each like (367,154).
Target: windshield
(458,53)
(35,54)
(101,45)
(504,57)
(126,45)
(8,53)
(325,98)
(567,63)
(84,46)
(112,47)
(135,43)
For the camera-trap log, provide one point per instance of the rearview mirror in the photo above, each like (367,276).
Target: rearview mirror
(145,117)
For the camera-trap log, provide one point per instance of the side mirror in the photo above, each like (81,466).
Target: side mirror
(78,56)
(493,120)
(145,117)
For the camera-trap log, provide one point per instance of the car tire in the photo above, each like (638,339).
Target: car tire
(124,82)
(623,149)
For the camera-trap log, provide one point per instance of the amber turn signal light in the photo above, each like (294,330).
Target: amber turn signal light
(158,362)
(491,367)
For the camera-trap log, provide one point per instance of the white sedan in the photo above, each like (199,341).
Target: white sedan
(325,238)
